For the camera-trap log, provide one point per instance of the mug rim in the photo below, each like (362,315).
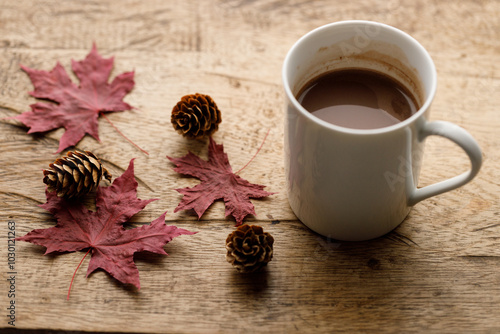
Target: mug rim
(291,97)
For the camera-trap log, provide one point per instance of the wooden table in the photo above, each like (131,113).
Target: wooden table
(437,272)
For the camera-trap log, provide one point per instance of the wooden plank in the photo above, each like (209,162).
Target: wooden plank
(437,272)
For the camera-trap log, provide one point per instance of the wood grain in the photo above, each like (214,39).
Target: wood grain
(438,272)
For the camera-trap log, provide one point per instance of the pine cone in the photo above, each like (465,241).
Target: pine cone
(196,116)
(249,248)
(75,175)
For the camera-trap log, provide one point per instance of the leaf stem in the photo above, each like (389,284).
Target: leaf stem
(248,163)
(72,278)
(121,133)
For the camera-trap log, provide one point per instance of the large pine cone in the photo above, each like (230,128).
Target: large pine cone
(196,116)
(75,175)
(249,248)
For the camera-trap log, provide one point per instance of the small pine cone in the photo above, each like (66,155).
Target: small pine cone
(75,175)
(196,116)
(249,248)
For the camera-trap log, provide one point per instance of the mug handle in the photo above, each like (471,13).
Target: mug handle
(463,139)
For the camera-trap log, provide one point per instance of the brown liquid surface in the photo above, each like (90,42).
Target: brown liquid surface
(358,99)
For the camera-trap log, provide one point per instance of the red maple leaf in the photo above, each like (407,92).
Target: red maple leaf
(76,108)
(102,231)
(218,181)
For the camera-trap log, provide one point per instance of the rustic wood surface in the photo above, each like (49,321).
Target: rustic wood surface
(437,272)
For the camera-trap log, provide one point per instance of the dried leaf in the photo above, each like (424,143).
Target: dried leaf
(102,231)
(76,108)
(218,182)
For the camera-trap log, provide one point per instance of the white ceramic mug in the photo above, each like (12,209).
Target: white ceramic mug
(352,184)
